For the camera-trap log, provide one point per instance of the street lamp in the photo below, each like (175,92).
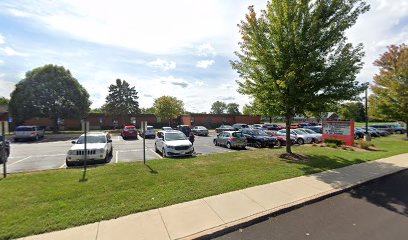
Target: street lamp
(367,136)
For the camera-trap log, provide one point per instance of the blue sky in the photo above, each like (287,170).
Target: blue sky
(177,48)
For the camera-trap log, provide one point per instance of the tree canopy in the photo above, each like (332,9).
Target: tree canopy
(168,108)
(233,109)
(218,107)
(49,91)
(122,99)
(294,56)
(4,101)
(352,111)
(390,98)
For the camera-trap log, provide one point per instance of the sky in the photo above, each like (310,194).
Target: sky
(180,48)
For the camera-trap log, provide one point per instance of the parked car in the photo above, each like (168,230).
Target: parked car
(301,137)
(259,138)
(371,132)
(98,147)
(238,126)
(223,128)
(294,126)
(231,139)
(317,136)
(6,148)
(149,133)
(28,133)
(398,128)
(388,127)
(129,132)
(200,131)
(257,126)
(379,131)
(358,133)
(166,129)
(281,139)
(317,129)
(173,143)
(184,129)
(275,127)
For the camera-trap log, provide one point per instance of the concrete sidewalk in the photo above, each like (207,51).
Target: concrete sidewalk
(205,216)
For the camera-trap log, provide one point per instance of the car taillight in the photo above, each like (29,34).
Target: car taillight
(232,139)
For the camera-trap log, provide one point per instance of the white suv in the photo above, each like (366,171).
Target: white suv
(173,143)
(149,132)
(98,145)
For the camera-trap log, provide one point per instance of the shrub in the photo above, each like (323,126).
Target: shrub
(337,142)
(332,145)
(314,145)
(364,145)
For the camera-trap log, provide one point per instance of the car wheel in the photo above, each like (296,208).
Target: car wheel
(215,142)
(258,144)
(301,141)
(399,132)
(278,144)
(111,152)
(164,153)
(37,138)
(356,137)
(69,164)
(228,145)
(106,160)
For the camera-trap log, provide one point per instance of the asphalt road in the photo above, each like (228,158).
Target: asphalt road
(377,210)
(50,152)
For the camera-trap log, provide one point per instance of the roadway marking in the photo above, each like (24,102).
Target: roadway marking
(155,153)
(18,161)
(50,155)
(116,160)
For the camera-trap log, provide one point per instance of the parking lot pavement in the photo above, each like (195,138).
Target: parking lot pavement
(50,154)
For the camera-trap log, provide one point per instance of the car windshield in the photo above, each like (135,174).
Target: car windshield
(150,128)
(130,128)
(91,139)
(167,128)
(175,136)
(225,126)
(259,133)
(309,131)
(202,128)
(299,131)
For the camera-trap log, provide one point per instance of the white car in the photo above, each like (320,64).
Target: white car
(28,132)
(173,143)
(149,132)
(317,136)
(167,129)
(301,137)
(99,148)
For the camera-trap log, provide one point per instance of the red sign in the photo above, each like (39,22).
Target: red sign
(342,130)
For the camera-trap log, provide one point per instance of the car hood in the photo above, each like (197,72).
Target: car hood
(178,143)
(88,146)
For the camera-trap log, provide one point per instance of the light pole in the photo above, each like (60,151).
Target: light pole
(367,136)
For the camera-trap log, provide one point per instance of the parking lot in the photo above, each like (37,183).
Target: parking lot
(50,152)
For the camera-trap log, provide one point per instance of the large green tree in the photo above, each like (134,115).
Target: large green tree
(294,55)
(49,91)
(233,109)
(352,111)
(121,100)
(390,98)
(168,108)
(4,101)
(218,107)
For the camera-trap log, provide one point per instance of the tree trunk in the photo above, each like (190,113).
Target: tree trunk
(56,127)
(288,141)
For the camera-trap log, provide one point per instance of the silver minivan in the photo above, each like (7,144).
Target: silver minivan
(28,132)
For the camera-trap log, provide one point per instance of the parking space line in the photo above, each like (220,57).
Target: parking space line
(155,153)
(18,161)
(63,165)
(50,155)
(116,155)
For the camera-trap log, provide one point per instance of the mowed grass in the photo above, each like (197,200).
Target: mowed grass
(34,203)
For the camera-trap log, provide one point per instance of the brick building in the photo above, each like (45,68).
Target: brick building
(215,120)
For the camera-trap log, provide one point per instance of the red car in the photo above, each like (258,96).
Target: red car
(129,132)
(281,139)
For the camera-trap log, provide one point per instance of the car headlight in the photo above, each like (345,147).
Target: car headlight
(101,150)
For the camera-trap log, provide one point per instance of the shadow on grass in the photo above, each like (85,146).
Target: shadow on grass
(152,171)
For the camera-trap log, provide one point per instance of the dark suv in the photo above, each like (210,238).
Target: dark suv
(238,126)
(259,138)
(185,129)
(7,149)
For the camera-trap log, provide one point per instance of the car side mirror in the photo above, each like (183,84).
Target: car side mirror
(73,142)
(109,140)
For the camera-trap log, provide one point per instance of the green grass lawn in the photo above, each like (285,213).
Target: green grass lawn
(33,203)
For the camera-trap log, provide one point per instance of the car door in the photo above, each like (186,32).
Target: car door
(225,138)
(109,141)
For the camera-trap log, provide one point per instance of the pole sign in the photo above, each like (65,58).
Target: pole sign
(342,130)
(10,119)
(3,154)
(143,126)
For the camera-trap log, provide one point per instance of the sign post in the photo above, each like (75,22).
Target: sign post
(3,149)
(143,126)
(342,130)
(85,128)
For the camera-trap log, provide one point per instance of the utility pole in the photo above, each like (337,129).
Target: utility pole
(3,149)
(367,136)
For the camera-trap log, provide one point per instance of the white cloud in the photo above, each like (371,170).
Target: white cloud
(8,51)
(18,13)
(162,64)
(1,61)
(2,39)
(206,49)
(204,63)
